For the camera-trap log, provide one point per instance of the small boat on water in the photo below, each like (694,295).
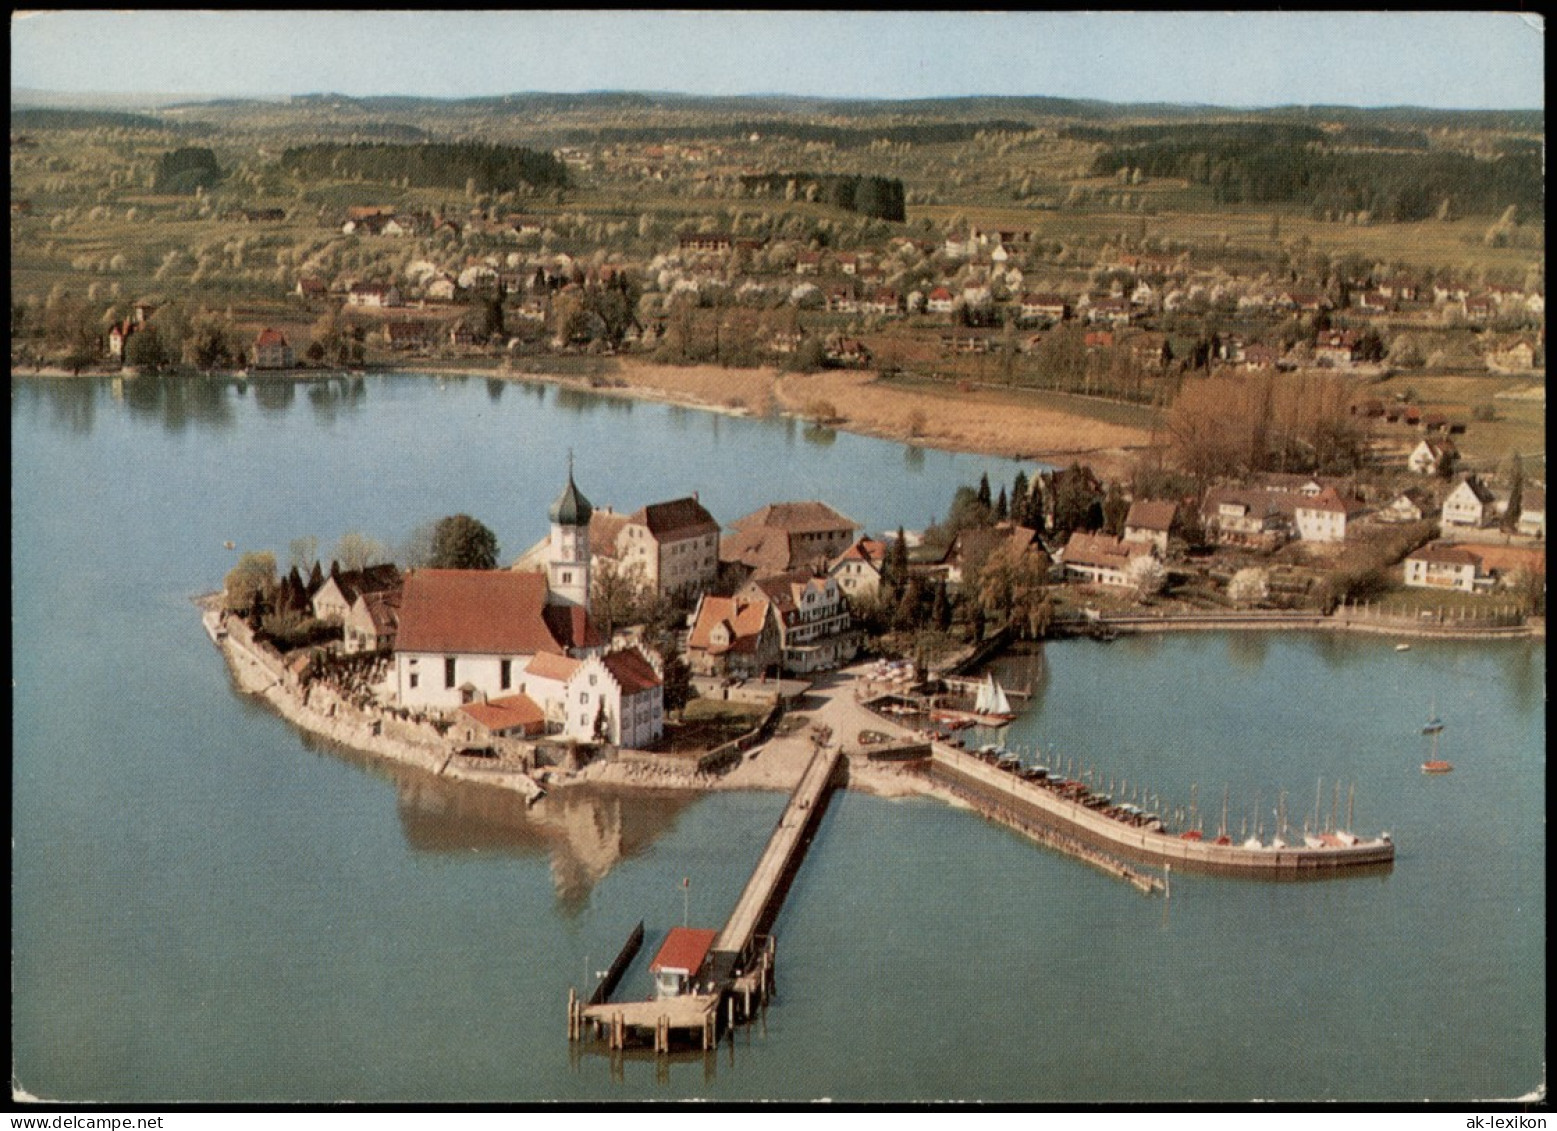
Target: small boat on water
(1437,766)
(1402,647)
(1434,724)
(992,707)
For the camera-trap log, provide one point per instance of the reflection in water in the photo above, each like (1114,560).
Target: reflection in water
(495,387)
(273,395)
(1524,681)
(913,457)
(820,436)
(1248,650)
(333,395)
(177,401)
(587,830)
(74,403)
(1338,650)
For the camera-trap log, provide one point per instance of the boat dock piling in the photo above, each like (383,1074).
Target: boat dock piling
(740,971)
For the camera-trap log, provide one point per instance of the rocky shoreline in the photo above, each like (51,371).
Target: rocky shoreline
(774,765)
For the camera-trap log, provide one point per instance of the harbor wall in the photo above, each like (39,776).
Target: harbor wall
(1159,848)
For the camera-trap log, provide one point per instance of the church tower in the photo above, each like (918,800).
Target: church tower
(567,557)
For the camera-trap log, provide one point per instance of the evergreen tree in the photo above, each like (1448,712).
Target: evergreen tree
(897,564)
(985,499)
(1019,499)
(1115,510)
(1001,510)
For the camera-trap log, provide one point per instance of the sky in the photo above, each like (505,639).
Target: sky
(1463,60)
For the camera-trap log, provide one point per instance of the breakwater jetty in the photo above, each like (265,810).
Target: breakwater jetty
(721,975)
(1082,815)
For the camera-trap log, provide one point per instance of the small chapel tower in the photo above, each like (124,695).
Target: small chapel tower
(567,558)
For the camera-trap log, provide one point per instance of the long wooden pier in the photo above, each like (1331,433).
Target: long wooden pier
(740,966)
(759,902)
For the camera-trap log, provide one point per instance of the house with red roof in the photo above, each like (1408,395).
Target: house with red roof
(1441,565)
(1323,517)
(616,698)
(1101,558)
(816,632)
(1151,520)
(468,634)
(675,544)
(733,637)
(858,569)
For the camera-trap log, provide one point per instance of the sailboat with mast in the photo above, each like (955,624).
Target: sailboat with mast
(1435,764)
(992,707)
(1433,724)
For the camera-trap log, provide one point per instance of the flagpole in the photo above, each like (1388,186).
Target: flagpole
(686,883)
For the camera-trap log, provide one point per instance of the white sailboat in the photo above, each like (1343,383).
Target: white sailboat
(992,702)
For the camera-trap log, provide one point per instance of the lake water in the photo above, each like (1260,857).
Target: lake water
(206,905)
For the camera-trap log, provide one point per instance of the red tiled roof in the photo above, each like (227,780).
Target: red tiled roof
(632,672)
(797,518)
(745,617)
(1443,553)
(1151,514)
(548,665)
(1102,550)
(1329,500)
(865,550)
(763,550)
(1505,559)
(679,517)
(512,712)
(270,337)
(492,612)
(684,948)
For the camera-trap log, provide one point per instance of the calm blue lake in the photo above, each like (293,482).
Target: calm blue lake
(206,905)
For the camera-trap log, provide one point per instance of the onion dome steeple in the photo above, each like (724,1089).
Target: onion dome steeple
(571,508)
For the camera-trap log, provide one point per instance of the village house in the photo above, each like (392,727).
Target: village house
(617,698)
(510,716)
(1411,505)
(1101,559)
(408,334)
(850,353)
(1441,565)
(1041,308)
(1111,311)
(815,628)
(1335,349)
(733,637)
(272,350)
(1433,457)
(373,295)
(119,337)
(1323,517)
(939,301)
(372,623)
(785,536)
(675,544)
(1470,503)
(338,592)
(1233,516)
(705,241)
(310,286)
(1503,565)
(1151,520)
(858,569)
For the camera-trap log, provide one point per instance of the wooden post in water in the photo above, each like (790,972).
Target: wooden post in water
(572,1010)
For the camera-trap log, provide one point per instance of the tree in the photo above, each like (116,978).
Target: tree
(1116,508)
(250,581)
(1516,492)
(984,498)
(1002,510)
(895,573)
(304,552)
(356,551)
(461,542)
(145,350)
(614,590)
(1012,587)
(675,676)
(1249,586)
(1147,574)
(1019,499)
